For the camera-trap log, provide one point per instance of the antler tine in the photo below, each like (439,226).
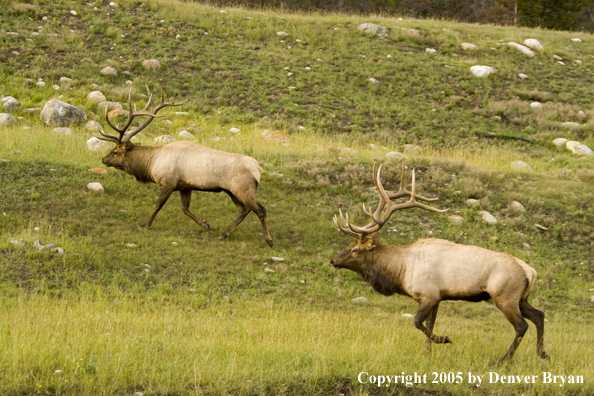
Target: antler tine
(403,192)
(151,114)
(346,231)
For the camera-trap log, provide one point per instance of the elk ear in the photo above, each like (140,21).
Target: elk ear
(372,240)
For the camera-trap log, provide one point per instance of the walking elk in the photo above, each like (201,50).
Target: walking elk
(185,166)
(433,270)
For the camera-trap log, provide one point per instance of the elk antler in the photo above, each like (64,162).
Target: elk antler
(131,115)
(378,220)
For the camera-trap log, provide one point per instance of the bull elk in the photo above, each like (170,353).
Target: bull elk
(184,167)
(432,270)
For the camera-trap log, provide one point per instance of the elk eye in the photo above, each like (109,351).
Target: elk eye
(355,250)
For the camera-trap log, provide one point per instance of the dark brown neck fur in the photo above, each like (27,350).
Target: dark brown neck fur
(383,272)
(138,161)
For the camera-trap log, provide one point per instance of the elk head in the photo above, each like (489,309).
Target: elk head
(367,237)
(116,156)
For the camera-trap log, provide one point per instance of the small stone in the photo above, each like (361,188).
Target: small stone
(407,316)
(576,40)
(522,48)
(95,187)
(277,259)
(40,84)
(430,50)
(10,104)
(394,155)
(522,76)
(97,145)
(456,219)
(58,372)
(7,120)
(472,202)
(96,97)
(174,244)
(540,227)
(277,138)
(151,64)
(234,130)
(302,282)
(307,68)
(36,229)
(533,44)
(481,71)
(469,47)
(521,165)
(109,71)
(100,171)
(282,34)
(164,139)
(516,207)
(93,126)
(63,130)
(578,148)
(186,135)
(133,246)
(19,243)
(526,246)
(360,300)
(487,217)
(57,250)
(56,87)
(373,28)
(536,105)
(591,299)
(557,58)
(289,74)
(560,142)
(270,270)
(73,12)
(373,80)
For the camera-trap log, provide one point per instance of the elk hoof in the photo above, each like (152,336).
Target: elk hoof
(206,226)
(270,243)
(544,356)
(224,236)
(446,340)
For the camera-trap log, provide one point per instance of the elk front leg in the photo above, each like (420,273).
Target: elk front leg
(186,197)
(163,197)
(430,322)
(537,317)
(425,311)
(514,316)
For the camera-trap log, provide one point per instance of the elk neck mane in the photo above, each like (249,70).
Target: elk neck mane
(384,270)
(138,162)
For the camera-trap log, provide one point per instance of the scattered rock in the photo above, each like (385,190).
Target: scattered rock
(109,71)
(481,71)
(63,130)
(164,139)
(66,82)
(97,145)
(270,270)
(282,34)
(360,300)
(578,148)
(93,126)
(469,47)
(487,217)
(560,142)
(372,28)
(472,202)
(408,316)
(10,103)
(430,50)
(557,58)
(151,64)
(277,259)
(95,187)
(521,165)
(7,120)
(571,124)
(373,80)
(100,171)
(576,40)
(96,97)
(522,76)
(277,138)
(525,50)
(536,105)
(19,243)
(456,219)
(56,112)
(40,84)
(107,106)
(533,44)
(134,246)
(516,207)
(186,135)
(234,130)
(394,155)
(591,299)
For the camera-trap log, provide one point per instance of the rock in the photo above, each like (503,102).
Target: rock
(56,112)
(373,80)
(516,207)
(109,71)
(234,130)
(557,58)
(164,139)
(97,145)
(186,135)
(270,270)
(430,50)
(107,106)
(522,48)
(408,316)
(7,120)
(394,155)
(348,151)
(58,250)
(63,130)
(481,71)
(469,47)
(533,44)
(93,126)
(19,243)
(487,217)
(591,299)
(118,115)
(277,138)
(282,34)
(571,124)
(100,171)
(522,76)
(560,142)
(540,227)
(536,105)
(578,148)
(66,82)
(151,64)
(95,187)
(10,104)
(576,40)
(40,84)
(521,165)
(472,202)
(360,300)
(372,28)
(456,219)
(96,97)
(277,259)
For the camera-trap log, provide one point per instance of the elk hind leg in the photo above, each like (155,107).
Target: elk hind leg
(163,197)
(429,323)
(514,316)
(243,212)
(427,311)
(186,197)
(260,211)
(537,317)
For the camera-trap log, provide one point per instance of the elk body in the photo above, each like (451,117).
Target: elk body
(186,166)
(432,270)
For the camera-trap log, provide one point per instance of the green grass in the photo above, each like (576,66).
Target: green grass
(202,316)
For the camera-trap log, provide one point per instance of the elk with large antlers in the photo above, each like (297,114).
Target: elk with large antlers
(184,167)
(433,270)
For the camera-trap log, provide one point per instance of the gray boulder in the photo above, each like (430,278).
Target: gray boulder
(58,113)
(372,28)
(6,120)
(9,103)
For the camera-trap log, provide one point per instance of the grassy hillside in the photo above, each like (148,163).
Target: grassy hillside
(182,312)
